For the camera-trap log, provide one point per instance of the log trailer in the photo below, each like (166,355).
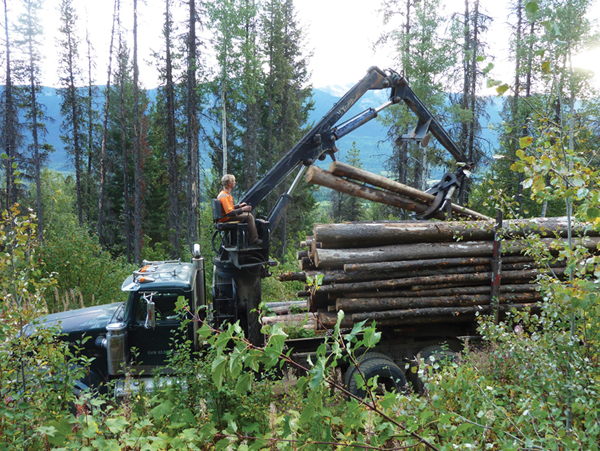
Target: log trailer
(148,319)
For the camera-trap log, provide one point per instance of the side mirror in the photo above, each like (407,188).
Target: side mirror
(150,315)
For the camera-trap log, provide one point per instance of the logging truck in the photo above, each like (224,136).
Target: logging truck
(147,320)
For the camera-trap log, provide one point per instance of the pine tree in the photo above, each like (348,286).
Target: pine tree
(117,233)
(107,91)
(473,107)
(192,123)
(137,149)
(91,119)
(344,206)
(71,106)
(426,59)
(169,126)
(10,136)
(286,104)
(29,68)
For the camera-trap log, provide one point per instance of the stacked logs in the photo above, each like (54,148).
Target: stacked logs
(406,273)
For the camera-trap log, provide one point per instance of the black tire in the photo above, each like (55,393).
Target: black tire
(390,376)
(361,357)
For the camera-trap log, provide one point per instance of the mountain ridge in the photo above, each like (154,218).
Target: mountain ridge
(371,139)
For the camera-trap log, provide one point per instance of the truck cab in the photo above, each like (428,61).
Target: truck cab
(131,341)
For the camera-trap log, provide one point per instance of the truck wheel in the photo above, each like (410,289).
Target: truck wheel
(361,357)
(390,376)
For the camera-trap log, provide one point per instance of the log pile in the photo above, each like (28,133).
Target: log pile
(407,273)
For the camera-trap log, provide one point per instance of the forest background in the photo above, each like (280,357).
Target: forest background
(234,85)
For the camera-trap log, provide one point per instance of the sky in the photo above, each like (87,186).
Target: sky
(340,34)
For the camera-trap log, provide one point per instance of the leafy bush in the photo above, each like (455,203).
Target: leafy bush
(77,262)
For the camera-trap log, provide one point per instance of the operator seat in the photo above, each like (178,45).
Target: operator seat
(234,233)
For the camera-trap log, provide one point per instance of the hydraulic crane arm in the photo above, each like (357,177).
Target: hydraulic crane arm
(321,139)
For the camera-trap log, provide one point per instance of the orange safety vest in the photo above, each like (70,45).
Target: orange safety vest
(226,200)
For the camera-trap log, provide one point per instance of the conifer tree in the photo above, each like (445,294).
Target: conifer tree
(426,59)
(91,119)
(107,91)
(192,123)
(343,206)
(473,53)
(29,31)
(286,104)
(137,148)
(10,135)
(71,107)
(168,125)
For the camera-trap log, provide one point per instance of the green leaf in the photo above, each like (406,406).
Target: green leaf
(445,418)
(4,156)
(371,337)
(388,401)
(592,213)
(116,425)
(162,410)
(218,368)
(490,82)
(243,384)
(235,363)
(502,89)
(525,141)
(532,7)
(546,67)
(308,413)
(222,444)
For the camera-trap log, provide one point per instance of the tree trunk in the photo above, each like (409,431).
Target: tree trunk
(127,217)
(431,291)
(465,279)
(387,233)
(173,171)
(356,304)
(343,170)
(318,176)
(102,182)
(192,128)
(137,151)
(336,258)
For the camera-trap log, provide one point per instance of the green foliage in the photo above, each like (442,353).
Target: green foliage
(77,262)
(514,392)
(22,284)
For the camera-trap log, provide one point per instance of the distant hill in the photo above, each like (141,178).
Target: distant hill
(370,138)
